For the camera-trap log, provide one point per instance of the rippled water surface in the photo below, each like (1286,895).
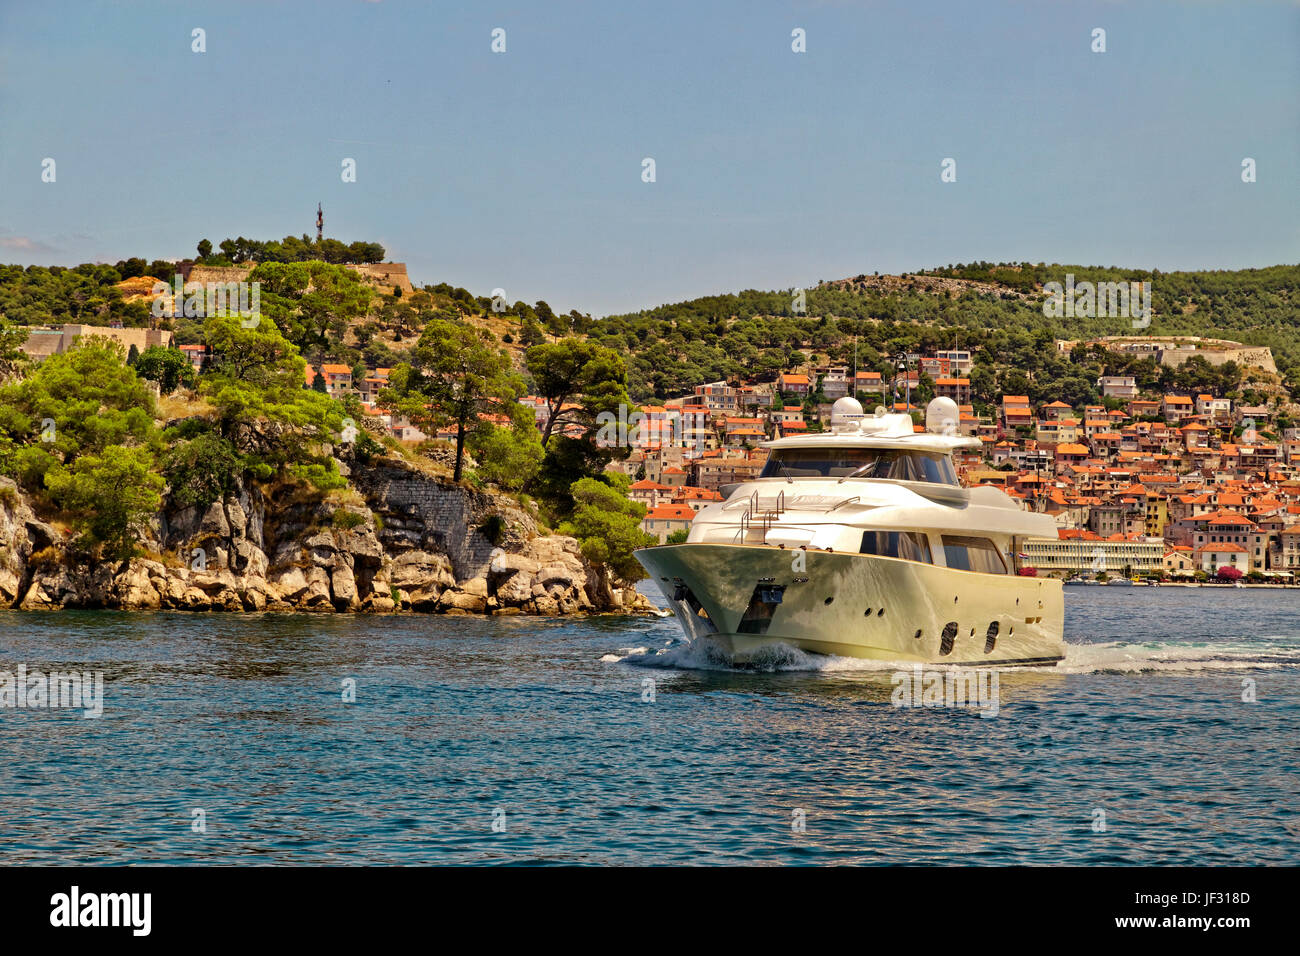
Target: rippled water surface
(543,723)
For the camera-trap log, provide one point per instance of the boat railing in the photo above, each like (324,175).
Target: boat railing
(825,503)
(761,513)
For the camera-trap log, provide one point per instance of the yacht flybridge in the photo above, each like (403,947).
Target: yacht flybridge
(861,542)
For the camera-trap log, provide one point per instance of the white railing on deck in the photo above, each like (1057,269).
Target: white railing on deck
(764,511)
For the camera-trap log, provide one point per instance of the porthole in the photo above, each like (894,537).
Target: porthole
(867,613)
(948,638)
(828,600)
(880,613)
(991,638)
(918,634)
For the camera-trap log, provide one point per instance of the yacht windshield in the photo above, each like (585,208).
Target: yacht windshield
(895,465)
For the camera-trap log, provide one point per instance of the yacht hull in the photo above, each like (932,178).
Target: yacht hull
(743,598)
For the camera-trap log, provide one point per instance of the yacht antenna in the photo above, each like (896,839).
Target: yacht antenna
(853,374)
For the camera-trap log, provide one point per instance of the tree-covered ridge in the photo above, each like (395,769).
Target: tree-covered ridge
(83,425)
(1177,286)
(87,294)
(81,432)
(289,249)
(755,334)
(329,312)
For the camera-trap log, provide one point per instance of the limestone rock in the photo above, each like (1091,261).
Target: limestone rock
(317,595)
(344,586)
(379,603)
(453,600)
(554,574)
(515,591)
(9,585)
(424,543)
(290,584)
(214,521)
(135,588)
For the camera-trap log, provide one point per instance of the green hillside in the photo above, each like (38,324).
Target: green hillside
(997,311)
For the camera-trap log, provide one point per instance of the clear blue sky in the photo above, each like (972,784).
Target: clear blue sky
(523,170)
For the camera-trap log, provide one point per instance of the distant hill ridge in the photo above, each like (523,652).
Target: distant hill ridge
(994,310)
(917,282)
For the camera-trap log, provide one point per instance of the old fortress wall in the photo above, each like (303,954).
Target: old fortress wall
(382,275)
(1175,350)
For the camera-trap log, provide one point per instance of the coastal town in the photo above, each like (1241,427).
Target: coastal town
(1143,485)
(1170,486)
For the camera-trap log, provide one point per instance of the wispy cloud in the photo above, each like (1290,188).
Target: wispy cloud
(26,244)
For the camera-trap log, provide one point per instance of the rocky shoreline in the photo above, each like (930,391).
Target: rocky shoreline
(399,540)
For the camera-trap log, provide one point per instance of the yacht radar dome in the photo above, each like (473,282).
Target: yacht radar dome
(942,416)
(845,414)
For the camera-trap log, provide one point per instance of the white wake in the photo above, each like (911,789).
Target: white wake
(1108,657)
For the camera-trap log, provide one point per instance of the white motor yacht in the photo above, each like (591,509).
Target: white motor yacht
(861,542)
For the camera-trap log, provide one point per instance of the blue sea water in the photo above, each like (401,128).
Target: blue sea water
(542,727)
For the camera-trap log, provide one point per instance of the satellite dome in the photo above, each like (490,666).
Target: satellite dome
(846,411)
(942,416)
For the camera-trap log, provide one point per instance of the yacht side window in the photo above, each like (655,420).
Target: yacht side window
(907,545)
(973,554)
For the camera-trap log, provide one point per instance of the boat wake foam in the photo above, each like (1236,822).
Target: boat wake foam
(1113,657)
(686,655)
(1120,657)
